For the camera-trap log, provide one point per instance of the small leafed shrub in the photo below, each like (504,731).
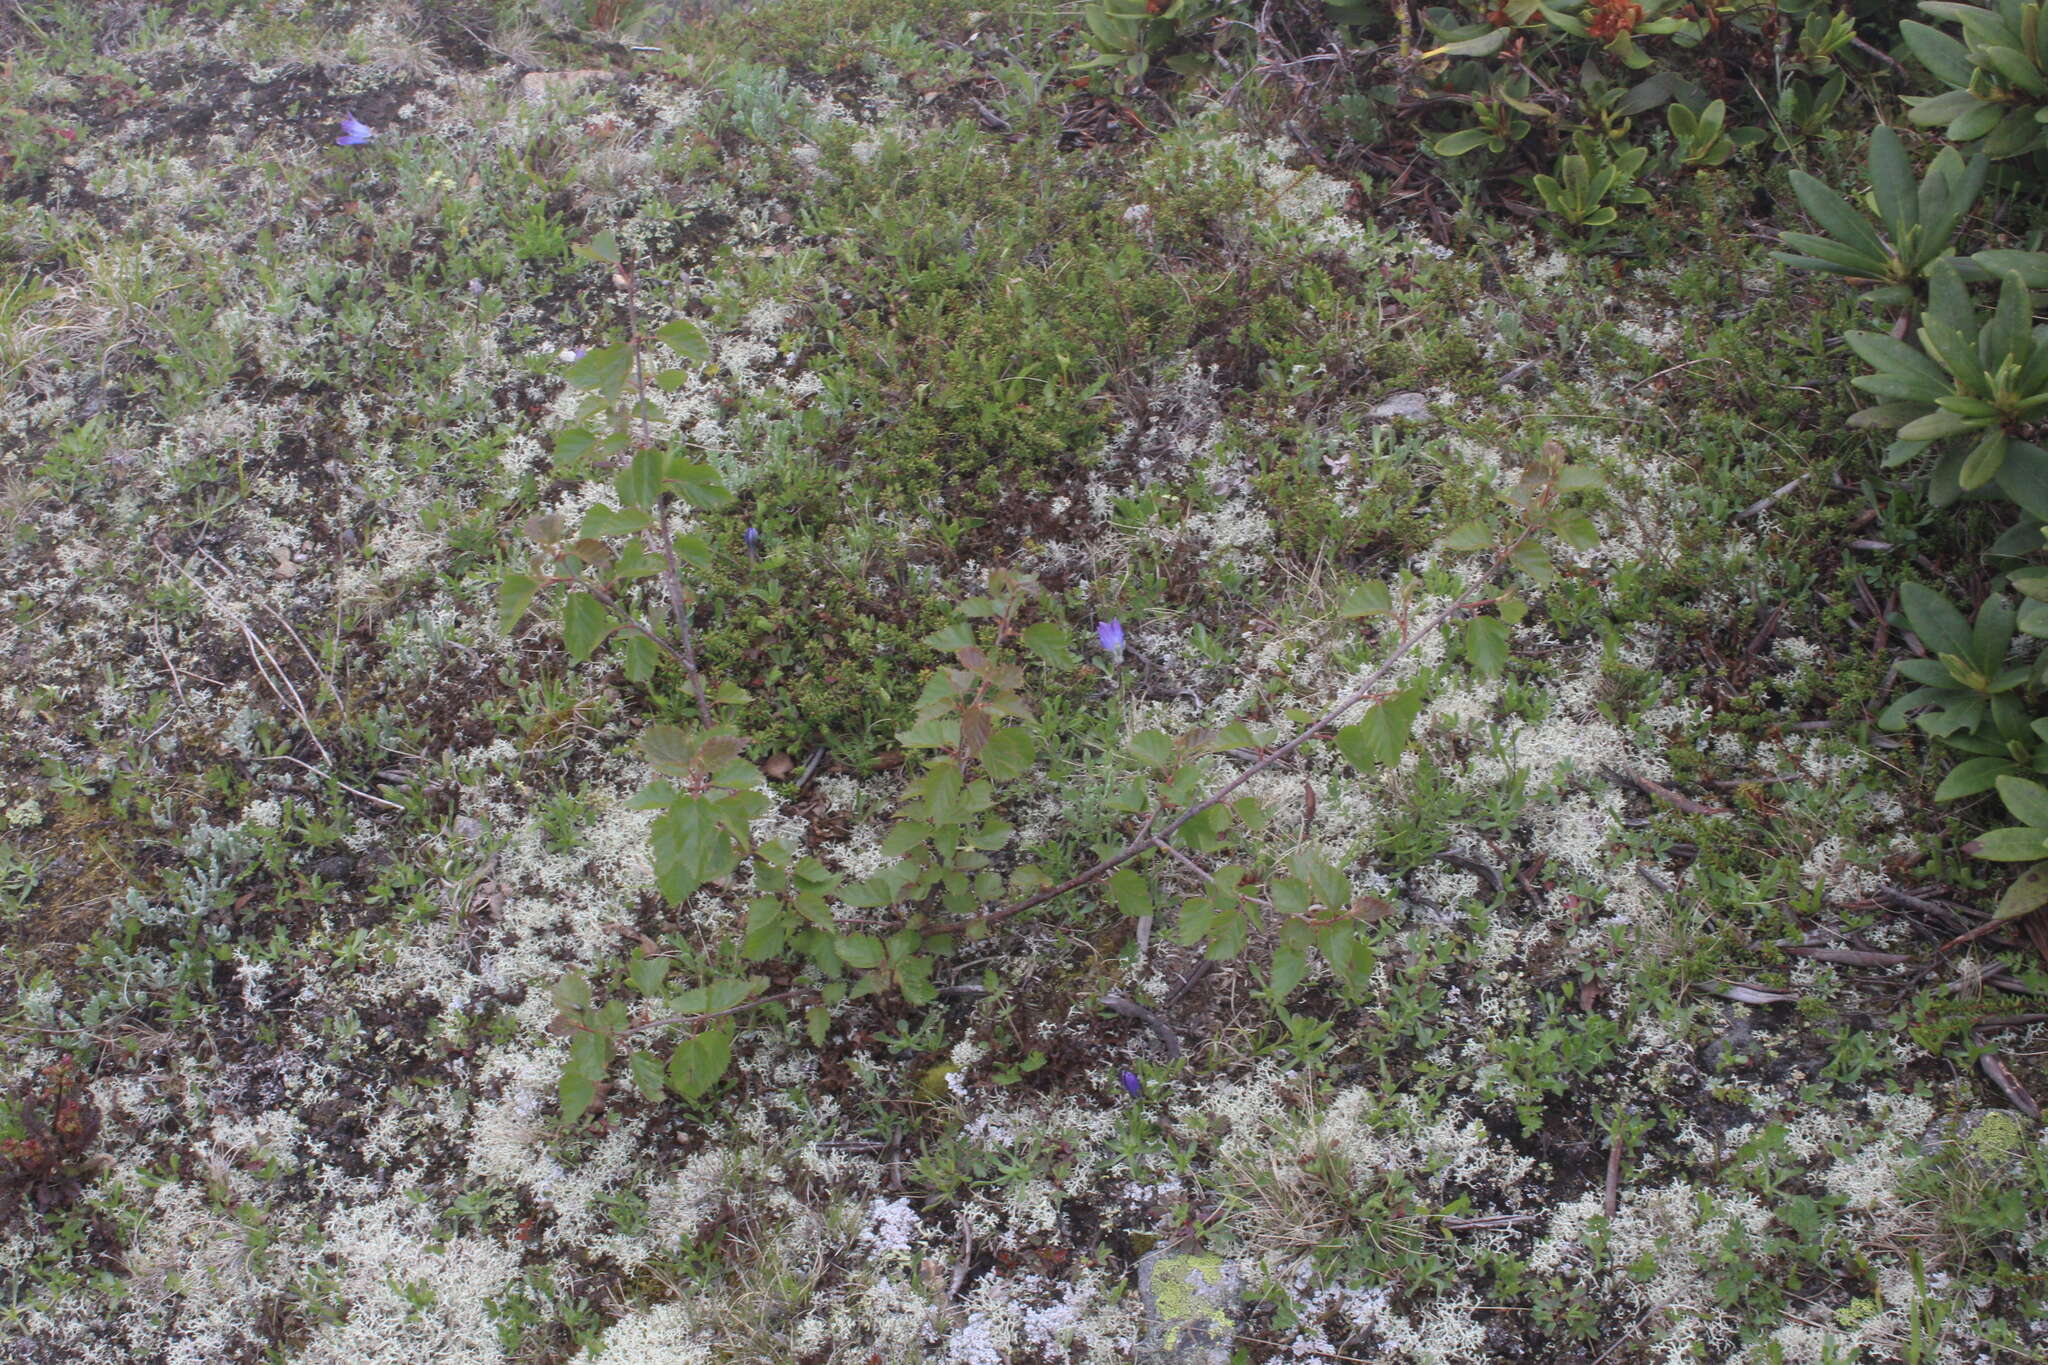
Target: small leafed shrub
(1997,71)
(1977,377)
(1916,221)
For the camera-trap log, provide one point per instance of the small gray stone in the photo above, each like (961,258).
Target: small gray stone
(1191,1302)
(335,867)
(1409,406)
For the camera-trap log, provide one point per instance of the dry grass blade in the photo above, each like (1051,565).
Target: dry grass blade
(1659,792)
(1849,957)
(2001,1076)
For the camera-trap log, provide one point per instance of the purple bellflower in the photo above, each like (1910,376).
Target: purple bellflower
(354,134)
(1111,635)
(753,539)
(1130,1082)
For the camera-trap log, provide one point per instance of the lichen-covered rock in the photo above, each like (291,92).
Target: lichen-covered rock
(1191,1301)
(1988,1138)
(1412,407)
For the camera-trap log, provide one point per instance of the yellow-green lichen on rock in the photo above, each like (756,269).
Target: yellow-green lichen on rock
(1189,1301)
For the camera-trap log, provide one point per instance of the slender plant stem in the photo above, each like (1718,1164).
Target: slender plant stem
(679,607)
(745,1005)
(628,621)
(671,572)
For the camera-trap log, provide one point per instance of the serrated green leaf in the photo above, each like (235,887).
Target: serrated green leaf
(1575,529)
(603,371)
(686,339)
(1131,892)
(1486,644)
(951,638)
(691,848)
(1152,748)
(860,951)
(601,521)
(515,594)
(638,485)
(647,974)
(1009,754)
(1049,643)
(1290,965)
(646,1070)
(699,485)
(670,749)
(575,1092)
(604,248)
(1532,559)
(1367,599)
(1378,738)
(585,624)
(1129,797)
(697,1063)
(571,993)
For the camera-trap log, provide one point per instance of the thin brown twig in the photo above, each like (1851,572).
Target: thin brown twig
(323,773)
(177,684)
(1493,1220)
(1184,860)
(1610,1202)
(280,618)
(628,621)
(743,1006)
(1131,1009)
(1879,53)
(1994,1021)
(1994,1068)
(1677,800)
(259,653)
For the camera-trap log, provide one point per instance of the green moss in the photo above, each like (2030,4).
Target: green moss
(828,661)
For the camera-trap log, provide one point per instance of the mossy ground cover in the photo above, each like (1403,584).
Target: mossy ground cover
(297,840)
